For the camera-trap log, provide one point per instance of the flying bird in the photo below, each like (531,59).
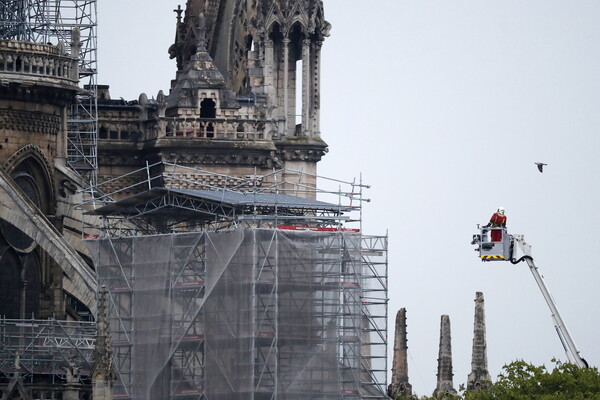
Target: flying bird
(540,166)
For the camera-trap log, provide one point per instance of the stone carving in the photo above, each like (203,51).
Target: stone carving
(103,368)
(66,188)
(72,373)
(26,121)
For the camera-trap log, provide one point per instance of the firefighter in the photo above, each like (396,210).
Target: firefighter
(498,220)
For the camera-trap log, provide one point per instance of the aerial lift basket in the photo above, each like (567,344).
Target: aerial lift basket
(497,250)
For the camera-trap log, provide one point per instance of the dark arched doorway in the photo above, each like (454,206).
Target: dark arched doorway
(208,109)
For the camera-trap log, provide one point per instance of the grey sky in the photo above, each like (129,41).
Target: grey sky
(444,106)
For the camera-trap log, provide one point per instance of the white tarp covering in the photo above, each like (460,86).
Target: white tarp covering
(238,314)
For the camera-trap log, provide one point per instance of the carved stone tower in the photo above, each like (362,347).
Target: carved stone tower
(270,48)
(400,385)
(245,98)
(479,378)
(38,82)
(444,375)
(291,34)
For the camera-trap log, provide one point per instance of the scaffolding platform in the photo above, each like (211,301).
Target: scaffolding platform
(45,347)
(272,295)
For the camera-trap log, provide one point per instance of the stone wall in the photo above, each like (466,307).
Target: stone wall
(38,81)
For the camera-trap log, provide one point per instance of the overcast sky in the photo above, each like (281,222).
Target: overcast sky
(443,107)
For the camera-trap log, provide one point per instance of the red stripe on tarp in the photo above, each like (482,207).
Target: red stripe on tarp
(316,229)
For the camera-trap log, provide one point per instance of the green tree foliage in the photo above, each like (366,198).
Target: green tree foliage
(522,381)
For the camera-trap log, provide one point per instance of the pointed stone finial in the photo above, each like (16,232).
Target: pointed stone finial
(199,73)
(103,351)
(103,375)
(75,41)
(201,32)
(479,378)
(400,385)
(75,48)
(179,11)
(444,375)
(102,332)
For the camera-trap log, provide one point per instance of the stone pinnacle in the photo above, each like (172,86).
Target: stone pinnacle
(444,375)
(400,385)
(479,378)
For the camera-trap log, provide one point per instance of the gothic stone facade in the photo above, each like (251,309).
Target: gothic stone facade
(231,108)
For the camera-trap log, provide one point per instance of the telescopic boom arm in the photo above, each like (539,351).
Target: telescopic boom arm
(561,328)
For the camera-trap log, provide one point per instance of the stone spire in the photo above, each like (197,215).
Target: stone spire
(479,378)
(400,385)
(75,48)
(444,375)
(102,374)
(199,73)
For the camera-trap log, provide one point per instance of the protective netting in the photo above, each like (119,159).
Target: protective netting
(240,314)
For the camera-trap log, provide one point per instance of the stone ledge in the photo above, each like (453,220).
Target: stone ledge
(31,122)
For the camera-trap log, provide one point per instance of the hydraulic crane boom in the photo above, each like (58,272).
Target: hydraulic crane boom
(506,249)
(561,328)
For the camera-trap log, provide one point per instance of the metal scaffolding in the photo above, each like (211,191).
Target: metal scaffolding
(48,348)
(247,313)
(272,299)
(72,23)
(161,201)
(374,253)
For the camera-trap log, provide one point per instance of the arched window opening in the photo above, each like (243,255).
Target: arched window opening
(275,33)
(10,284)
(208,109)
(33,179)
(32,284)
(20,285)
(298,87)
(103,133)
(296,63)
(249,43)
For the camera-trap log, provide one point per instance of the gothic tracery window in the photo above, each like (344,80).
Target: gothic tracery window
(21,268)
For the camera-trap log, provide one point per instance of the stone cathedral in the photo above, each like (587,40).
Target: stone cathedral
(244,98)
